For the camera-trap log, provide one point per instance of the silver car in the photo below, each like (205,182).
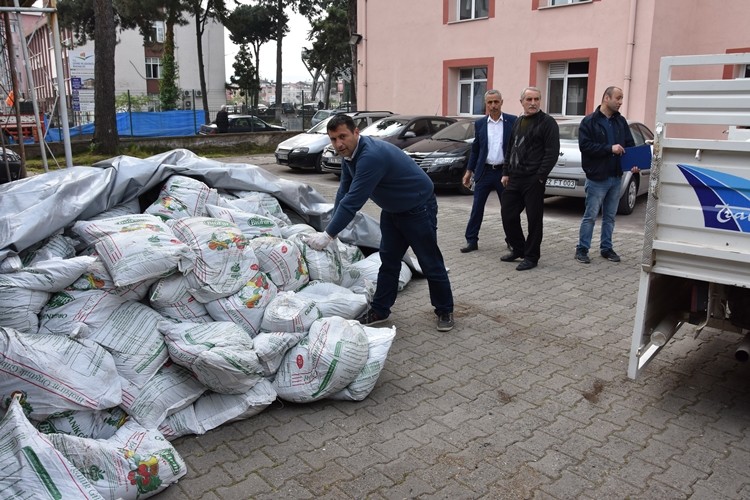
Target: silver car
(568,179)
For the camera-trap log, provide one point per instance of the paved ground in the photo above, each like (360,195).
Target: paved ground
(527,397)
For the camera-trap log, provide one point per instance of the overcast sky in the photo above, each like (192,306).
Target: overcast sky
(294,41)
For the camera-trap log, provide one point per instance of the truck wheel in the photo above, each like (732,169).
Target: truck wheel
(627,202)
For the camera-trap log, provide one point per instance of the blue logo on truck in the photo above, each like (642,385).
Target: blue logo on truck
(725,198)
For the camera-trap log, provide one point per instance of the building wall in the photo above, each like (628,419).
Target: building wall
(407,62)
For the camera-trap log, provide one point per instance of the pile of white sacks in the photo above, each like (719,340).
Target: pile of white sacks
(131,328)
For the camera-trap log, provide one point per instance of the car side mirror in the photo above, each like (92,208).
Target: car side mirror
(650,142)
(409,135)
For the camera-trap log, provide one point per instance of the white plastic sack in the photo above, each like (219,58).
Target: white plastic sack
(170,390)
(171,298)
(282,261)
(224,262)
(323,265)
(126,329)
(272,346)
(212,410)
(252,225)
(99,424)
(335,300)
(259,203)
(56,246)
(288,312)
(136,247)
(56,374)
(247,307)
(324,362)
(289,231)
(220,354)
(369,267)
(31,467)
(181,197)
(379,343)
(134,463)
(96,277)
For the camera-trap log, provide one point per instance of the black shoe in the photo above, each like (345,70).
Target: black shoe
(445,322)
(611,255)
(470,247)
(582,256)
(525,265)
(510,257)
(371,318)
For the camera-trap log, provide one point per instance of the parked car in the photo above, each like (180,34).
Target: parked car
(401,130)
(322,114)
(242,123)
(568,179)
(304,150)
(444,156)
(14,164)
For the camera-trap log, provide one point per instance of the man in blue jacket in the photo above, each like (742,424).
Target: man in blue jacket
(377,170)
(602,138)
(488,152)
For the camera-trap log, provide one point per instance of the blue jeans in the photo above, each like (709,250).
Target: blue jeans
(416,228)
(601,196)
(489,181)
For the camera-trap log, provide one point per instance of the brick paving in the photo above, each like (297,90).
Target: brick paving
(527,397)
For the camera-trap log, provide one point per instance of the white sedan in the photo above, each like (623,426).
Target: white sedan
(567,177)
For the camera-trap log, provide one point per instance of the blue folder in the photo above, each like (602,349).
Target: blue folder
(636,156)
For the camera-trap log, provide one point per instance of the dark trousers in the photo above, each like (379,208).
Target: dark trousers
(489,181)
(524,193)
(416,228)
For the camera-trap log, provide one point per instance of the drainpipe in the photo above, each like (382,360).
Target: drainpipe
(629,56)
(364,66)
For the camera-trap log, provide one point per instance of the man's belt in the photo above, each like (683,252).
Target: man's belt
(497,166)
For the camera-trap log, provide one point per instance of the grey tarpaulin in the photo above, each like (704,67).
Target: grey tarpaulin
(35,208)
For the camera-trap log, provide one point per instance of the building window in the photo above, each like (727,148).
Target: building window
(567,85)
(156,33)
(472,9)
(472,84)
(745,71)
(153,67)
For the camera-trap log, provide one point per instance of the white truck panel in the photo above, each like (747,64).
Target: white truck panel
(696,251)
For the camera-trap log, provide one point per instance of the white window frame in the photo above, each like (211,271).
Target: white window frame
(543,4)
(472,83)
(559,70)
(151,63)
(473,7)
(744,71)
(159,29)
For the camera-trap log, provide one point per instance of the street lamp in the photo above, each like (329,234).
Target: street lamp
(355,39)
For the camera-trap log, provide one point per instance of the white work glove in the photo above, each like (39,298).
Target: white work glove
(319,241)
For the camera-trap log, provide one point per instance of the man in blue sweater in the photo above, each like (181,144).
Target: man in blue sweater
(376,170)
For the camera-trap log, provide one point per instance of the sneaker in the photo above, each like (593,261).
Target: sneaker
(372,318)
(582,256)
(610,255)
(445,322)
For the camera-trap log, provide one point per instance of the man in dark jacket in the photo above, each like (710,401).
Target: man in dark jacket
(602,138)
(379,171)
(488,153)
(535,147)
(222,120)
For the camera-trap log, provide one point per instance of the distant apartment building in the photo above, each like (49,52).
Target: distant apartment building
(138,64)
(441,56)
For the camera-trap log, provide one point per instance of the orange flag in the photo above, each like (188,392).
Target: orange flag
(10,99)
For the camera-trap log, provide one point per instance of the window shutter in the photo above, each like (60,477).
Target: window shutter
(557,69)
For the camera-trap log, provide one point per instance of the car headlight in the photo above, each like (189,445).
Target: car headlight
(299,151)
(447,160)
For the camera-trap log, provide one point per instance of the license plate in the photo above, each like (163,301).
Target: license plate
(282,156)
(336,160)
(561,183)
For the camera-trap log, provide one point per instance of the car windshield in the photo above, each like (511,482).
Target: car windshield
(385,127)
(320,127)
(569,131)
(459,131)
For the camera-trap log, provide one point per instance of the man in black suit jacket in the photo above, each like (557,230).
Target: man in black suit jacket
(488,153)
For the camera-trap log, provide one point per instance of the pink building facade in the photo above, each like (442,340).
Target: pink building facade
(439,56)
